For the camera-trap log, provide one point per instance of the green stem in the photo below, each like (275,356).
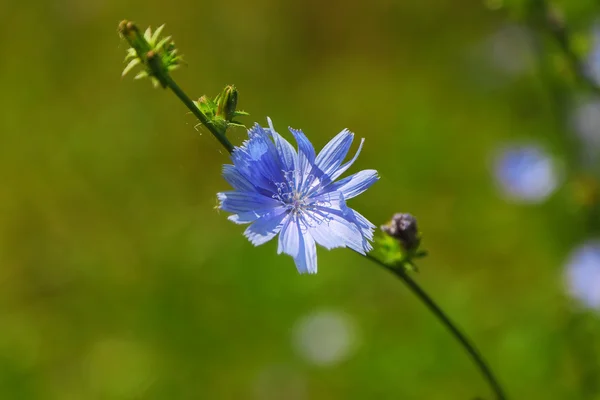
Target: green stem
(467,345)
(553,23)
(170,83)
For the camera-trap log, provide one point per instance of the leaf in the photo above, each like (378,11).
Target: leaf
(148,34)
(161,44)
(130,66)
(157,33)
(141,74)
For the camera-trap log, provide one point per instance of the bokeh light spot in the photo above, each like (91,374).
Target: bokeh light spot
(583,274)
(525,173)
(325,337)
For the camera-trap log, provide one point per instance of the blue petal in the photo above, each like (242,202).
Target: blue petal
(366,228)
(287,153)
(306,261)
(241,202)
(334,152)
(355,184)
(236,179)
(247,217)
(259,132)
(266,227)
(289,241)
(257,159)
(341,226)
(305,147)
(322,235)
(344,167)
(295,241)
(331,229)
(306,156)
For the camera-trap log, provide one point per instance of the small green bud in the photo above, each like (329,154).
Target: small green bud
(130,32)
(227,102)
(226,106)
(221,111)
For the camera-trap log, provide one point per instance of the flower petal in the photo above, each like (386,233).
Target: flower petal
(338,172)
(257,160)
(289,241)
(258,131)
(306,157)
(295,241)
(287,153)
(323,237)
(337,225)
(266,227)
(306,261)
(335,230)
(240,202)
(236,179)
(246,217)
(305,147)
(334,152)
(355,184)
(366,228)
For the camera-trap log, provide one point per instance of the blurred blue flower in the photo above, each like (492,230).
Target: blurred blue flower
(280,190)
(583,274)
(526,173)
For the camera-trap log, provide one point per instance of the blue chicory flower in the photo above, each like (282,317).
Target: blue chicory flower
(279,190)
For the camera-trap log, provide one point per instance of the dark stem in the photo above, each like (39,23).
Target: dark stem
(467,345)
(192,107)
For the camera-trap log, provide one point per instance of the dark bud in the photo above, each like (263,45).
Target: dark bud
(404,228)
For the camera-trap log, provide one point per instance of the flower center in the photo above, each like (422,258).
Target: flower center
(292,199)
(299,200)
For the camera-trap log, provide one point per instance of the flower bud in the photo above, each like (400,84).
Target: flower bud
(227,103)
(130,32)
(403,227)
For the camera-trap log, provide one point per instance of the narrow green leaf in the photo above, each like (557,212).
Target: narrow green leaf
(141,74)
(161,44)
(148,34)
(157,33)
(130,66)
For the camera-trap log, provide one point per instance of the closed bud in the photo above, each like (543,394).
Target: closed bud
(227,103)
(403,227)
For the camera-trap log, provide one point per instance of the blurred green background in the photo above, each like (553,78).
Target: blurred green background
(120,280)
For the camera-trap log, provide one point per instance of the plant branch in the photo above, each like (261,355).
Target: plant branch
(170,83)
(466,344)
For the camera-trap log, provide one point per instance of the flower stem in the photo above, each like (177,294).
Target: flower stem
(170,83)
(467,345)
